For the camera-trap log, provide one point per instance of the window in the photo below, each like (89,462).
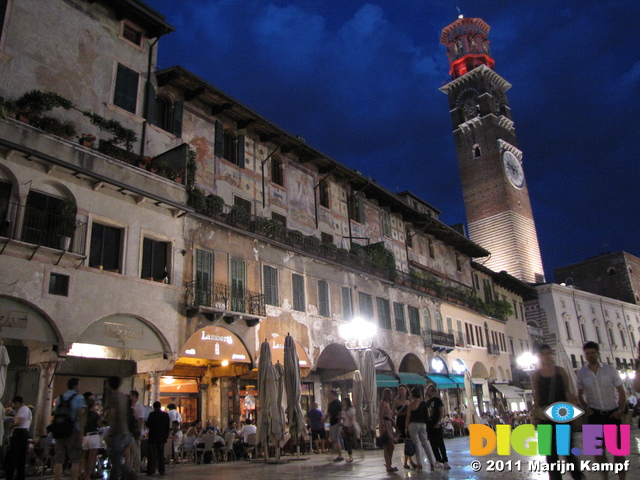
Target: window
(449,325)
(574,362)
(5,197)
(326,237)
(414,321)
(427,319)
(324,193)
(279,218)
(41,217)
(439,325)
(229,147)
(155,259)
(384,313)
(242,205)
(270,277)
(3,17)
(323,298)
(476,281)
(238,270)
(59,284)
(277,171)
(583,334)
(356,209)
(398,313)
(347,303)
(488,296)
(298,292)
(432,251)
(386,223)
(458,263)
(598,334)
(131,33)
(515,308)
(477,152)
(106,244)
(126,92)
(166,114)
(409,237)
(460,339)
(513,352)
(366,306)
(204,274)
(622,338)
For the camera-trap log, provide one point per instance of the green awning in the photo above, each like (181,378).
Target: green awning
(458,379)
(385,381)
(412,378)
(442,381)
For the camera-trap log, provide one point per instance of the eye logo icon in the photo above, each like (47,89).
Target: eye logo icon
(563,412)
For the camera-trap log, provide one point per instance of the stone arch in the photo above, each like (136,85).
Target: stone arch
(28,323)
(479,370)
(411,363)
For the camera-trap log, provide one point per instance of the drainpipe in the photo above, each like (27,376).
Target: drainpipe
(145,105)
(264,198)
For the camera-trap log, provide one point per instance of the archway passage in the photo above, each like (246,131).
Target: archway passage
(411,370)
(335,356)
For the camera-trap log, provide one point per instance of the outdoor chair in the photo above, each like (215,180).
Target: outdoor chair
(205,445)
(250,447)
(227,451)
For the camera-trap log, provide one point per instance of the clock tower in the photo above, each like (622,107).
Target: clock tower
(495,192)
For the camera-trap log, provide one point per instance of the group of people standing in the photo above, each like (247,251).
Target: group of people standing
(418,422)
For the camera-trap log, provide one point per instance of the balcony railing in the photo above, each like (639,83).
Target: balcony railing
(40,227)
(493,349)
(224,298)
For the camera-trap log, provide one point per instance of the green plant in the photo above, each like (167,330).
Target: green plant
(7,107)
(56,127)
(214,205)
(34,103)
(499,309)
(66,224)
(197,200)
(192,167)
(121,135)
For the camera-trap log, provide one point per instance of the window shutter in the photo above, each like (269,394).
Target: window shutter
(298,292)
(347,304)
(237,285)
(218,148)
(126,94)
(323,298)
(204,263)
(240,151)
(152,111)
(270,285)
(178,108)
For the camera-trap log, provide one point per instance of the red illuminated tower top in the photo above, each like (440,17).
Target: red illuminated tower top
(467,45)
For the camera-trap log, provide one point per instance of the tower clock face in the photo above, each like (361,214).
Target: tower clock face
(513,169)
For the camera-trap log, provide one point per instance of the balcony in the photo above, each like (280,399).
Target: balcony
(217,300)
(42,228)
(441,341)
(493,349)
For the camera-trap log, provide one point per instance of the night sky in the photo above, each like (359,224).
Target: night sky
(359,82)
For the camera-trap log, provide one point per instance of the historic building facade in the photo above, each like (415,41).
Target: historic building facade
(191,230)
(495,192)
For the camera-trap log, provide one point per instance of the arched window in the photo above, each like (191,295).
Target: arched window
(439,324)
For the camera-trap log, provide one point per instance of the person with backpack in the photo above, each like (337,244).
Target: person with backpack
(68,420)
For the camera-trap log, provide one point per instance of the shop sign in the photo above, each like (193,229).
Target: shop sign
(215,343)
(13,319)
(122,331)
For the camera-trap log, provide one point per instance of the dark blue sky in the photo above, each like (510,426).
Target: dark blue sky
(359,82)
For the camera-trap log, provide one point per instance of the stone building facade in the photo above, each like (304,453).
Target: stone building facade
(168,256)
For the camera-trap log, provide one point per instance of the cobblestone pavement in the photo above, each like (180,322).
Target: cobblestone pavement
(370,465)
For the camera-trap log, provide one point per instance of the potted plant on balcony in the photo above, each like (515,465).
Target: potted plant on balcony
(66,225)
(87,140)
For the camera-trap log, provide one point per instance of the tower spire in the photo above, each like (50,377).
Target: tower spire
(467,45)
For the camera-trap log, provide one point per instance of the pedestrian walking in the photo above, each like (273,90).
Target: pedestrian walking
(334,411)
(138,413)
(159,426)
(16,456)
(91,441)
(70,446)
(417,418)
(316,424)
(601,395)
(119,437)
(434,427)
(349,427)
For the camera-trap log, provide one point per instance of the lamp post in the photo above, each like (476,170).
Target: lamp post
(358,334)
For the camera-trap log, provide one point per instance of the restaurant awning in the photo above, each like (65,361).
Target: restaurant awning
(509,391)
(409,378)
(442,381)
(458,379)
(386,381)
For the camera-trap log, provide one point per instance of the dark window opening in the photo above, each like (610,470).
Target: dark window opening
(298,293)
(323,298)
(279,218)
(270,275)
(347,303)
(105,248)
(132,34)
(414,321)
(242,205)
(59,284)
(384,313)
(277,171)
(41,223)
(326,237)
(356,209)
(5,197)
(126,92)
(155,260)
(324,194)
(398,312)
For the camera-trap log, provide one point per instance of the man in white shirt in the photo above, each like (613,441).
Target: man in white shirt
(174,414)
(601,394)
(16,457)
(138,411)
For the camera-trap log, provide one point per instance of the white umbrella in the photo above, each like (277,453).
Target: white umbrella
(370,418)
(292,387)
(4,363)
(274,405)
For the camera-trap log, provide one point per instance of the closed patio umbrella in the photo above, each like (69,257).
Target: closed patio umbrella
(264,414)
(293,390)
(358,396)
(370,417)
(4,363)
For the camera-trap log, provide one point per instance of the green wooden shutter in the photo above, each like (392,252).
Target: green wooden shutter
(204,267)
(323,298)
(126,93)
(240,152)
(237,285)
(270,285)
(218,147)
(347,303)
(178,108)
(298,292)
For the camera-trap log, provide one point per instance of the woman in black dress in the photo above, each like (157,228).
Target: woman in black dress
(400,404)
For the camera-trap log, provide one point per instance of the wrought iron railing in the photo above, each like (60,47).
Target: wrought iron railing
(493,349)
(224,298)
(41,227)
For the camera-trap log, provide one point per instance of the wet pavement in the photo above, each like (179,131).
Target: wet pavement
(369,464)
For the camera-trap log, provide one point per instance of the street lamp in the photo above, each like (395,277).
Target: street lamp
(527,362)
(358,334)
